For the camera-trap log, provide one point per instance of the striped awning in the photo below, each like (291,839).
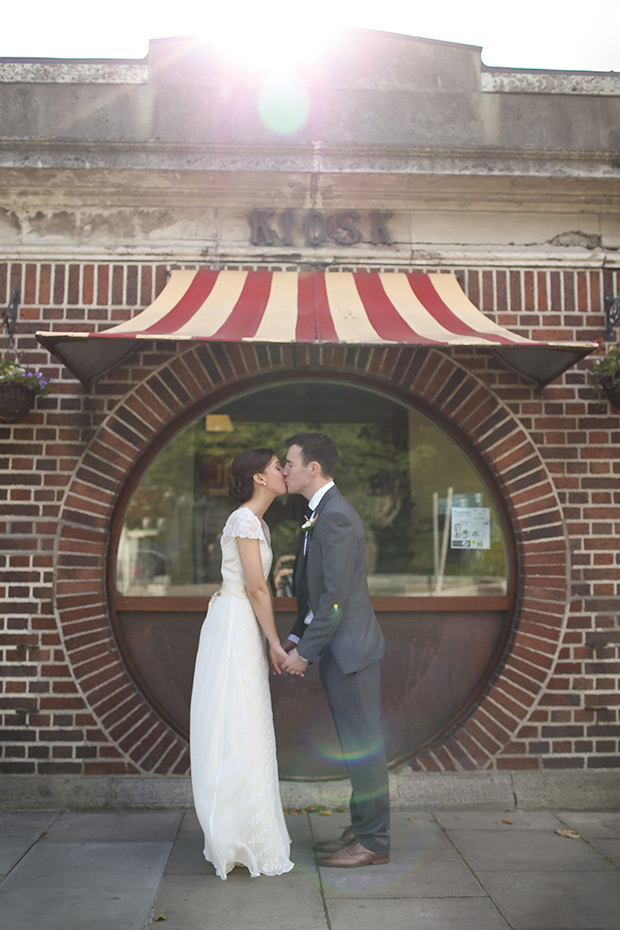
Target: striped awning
(363,308)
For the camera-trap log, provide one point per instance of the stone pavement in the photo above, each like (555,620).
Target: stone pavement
(449,870)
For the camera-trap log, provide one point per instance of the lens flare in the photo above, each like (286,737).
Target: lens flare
(283,102)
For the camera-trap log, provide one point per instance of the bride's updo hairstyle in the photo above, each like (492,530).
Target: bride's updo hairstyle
(245,465)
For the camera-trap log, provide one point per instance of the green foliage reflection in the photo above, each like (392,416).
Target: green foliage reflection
(396,467)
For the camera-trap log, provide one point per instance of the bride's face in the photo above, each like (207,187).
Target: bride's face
(274,479)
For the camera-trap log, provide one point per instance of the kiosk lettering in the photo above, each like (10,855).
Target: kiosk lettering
(345,227)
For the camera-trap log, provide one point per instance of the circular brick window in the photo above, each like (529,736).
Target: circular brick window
(146,728)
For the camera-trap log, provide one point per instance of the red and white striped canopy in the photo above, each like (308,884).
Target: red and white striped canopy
(370,308)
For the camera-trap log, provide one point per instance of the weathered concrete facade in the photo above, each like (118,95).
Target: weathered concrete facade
(412,156)
(166,159)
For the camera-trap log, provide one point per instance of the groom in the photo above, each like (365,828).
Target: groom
(336,627)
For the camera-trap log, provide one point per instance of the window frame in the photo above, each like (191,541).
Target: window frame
(162,603)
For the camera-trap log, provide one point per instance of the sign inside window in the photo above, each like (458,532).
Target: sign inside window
(471,528)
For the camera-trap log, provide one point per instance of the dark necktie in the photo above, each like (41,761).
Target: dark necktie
(301,595)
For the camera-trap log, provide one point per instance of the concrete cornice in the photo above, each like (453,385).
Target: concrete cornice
(398,256)
(73,72)
(287,184)
(568,83)
(314,158)
(492,80)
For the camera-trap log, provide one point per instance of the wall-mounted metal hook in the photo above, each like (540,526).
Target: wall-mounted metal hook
(9,318)
(612,316)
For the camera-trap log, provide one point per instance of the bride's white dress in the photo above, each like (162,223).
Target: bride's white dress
(232,740)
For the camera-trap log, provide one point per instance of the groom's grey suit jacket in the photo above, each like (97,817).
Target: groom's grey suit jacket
(333,576)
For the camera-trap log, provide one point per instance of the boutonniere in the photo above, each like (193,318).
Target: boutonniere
(309,523)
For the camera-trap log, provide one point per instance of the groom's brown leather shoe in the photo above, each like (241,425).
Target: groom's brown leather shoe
(328,846)
(352,856)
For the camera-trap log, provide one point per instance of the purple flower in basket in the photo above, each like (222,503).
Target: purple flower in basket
(12,372)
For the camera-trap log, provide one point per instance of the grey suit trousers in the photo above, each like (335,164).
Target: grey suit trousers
(355,702)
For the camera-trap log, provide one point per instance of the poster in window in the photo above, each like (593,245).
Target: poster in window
(471,528)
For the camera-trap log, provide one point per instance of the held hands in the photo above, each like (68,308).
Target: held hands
(294,664)
(285,657)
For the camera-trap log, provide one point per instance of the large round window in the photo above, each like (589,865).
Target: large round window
(439,556)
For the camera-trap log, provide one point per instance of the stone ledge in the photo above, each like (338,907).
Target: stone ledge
(409,791)
(574,83)
(26,152)
(73,72)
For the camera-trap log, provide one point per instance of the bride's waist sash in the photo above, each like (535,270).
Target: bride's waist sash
(230,589)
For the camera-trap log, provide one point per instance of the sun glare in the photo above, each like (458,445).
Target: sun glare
(275,43)
(270,38)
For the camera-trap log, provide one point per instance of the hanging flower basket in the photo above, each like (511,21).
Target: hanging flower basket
(19,388)
(16,400)
(605,373)
(611,389)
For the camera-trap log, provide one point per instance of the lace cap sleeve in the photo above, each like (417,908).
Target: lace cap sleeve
(243,523)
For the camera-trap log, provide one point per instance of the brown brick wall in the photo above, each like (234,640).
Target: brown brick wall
(67,702)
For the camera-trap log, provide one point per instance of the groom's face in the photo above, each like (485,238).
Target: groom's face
(297,475)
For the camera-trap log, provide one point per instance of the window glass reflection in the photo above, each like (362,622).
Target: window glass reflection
(431,524)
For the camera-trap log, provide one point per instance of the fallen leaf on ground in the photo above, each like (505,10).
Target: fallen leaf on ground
(160,917)
(571,834)
(325,813)
(504,820)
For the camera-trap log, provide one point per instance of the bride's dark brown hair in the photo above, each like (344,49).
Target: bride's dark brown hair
(244,466)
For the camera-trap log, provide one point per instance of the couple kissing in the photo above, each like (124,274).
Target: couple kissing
(232,741)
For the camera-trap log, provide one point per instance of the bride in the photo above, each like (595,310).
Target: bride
(232,741)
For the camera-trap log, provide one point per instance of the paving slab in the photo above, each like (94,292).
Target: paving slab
(449,870)
(591,824)
(203,902)
(415,873)
(610,849)
(420,914)
(498,820)
(83,886)
(560,900)
(115,827)
(187,856)
(18,831)
(302,843)
(526,851)
(416,831)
